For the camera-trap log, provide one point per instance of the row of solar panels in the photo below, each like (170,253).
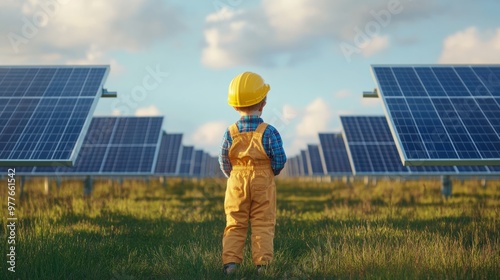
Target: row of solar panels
(437,116)
(365,147)
(133,146)
(46,127)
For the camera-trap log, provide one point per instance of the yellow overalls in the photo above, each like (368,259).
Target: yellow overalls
(250,196)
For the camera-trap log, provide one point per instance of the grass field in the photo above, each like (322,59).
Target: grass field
(145,230)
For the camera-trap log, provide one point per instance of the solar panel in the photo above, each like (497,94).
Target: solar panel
(168,156)
(372,150)
(314,163)
(116,145)
(304,160)
(333,150)
(294,167)
(45,112)
(443,114)
(291,167)
(186,160)
(197,163)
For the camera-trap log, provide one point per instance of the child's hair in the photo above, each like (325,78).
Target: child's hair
(251,108)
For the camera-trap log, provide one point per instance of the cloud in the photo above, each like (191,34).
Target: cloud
(209,135)
(315,118)
(342,94)
(310,120)
(146,111)
(472,46)
(57,31)
(375,45)
(279,30)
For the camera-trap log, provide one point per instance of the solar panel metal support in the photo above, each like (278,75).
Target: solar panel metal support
(446,186)
(370,94)
(87,186)
(108,94)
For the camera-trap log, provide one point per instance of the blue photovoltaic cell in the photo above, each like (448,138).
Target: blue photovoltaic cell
(45,111)
(186,160)
(334,153)
(443,114)
(168,156)
(315,164)
(112,146)
(374,151)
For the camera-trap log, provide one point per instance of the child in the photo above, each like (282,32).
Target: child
(251,155)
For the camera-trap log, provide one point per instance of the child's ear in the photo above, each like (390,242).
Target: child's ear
(262,106)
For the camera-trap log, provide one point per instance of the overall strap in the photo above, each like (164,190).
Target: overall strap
(261,128)
(233,130)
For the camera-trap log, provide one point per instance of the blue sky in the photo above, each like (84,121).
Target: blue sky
(176,58)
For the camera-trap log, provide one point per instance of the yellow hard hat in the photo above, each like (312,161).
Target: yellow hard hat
(247,89)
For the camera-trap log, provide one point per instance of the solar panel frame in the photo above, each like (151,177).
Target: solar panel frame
(462,100)
(29,86)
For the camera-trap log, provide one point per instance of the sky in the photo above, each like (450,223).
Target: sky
(176,59)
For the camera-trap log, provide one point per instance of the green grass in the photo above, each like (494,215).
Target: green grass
(144,230)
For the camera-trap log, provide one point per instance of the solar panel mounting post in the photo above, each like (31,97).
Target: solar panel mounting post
(108,94)
(370,94)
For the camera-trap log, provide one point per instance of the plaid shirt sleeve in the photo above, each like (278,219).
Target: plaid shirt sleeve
(225,164)
(274,149)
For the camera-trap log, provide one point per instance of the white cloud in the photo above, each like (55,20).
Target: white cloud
(472,46)
(280,30)
(315,118)
(308,121)
(146,111)
(57,31)
(375,45)
(209,135)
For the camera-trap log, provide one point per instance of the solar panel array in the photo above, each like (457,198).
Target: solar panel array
(314,164)
(115,145)
(366,148)
(334,154)
(304,154)
(168,156)
(197,163)
(186,161)
(45,112)
(372,150)
(443,114)
(439,115)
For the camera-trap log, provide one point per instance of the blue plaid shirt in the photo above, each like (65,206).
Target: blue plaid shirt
(271,141)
